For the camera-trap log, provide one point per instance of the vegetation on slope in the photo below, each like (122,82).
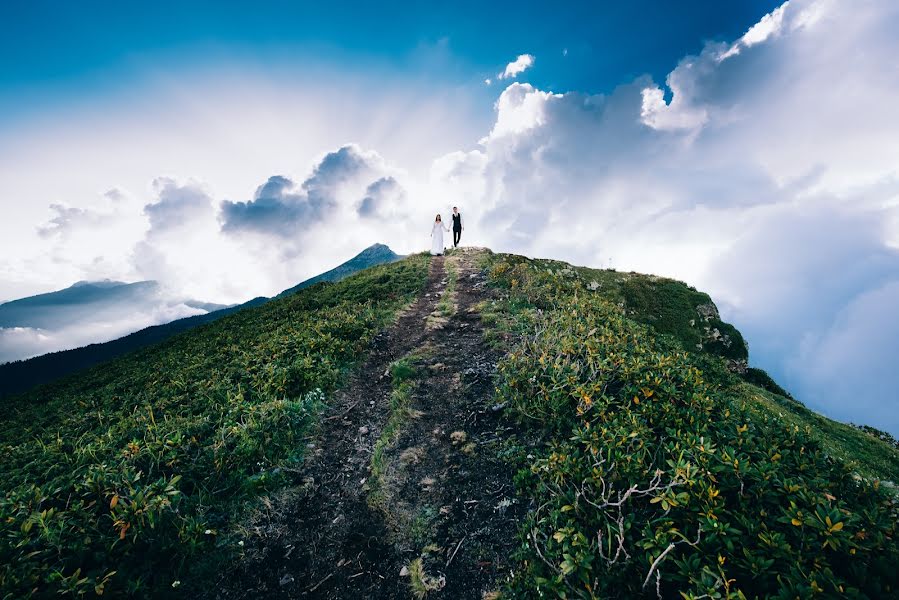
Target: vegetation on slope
(660,472)
(121,478)
(22,375)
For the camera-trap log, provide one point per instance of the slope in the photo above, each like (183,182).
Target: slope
(521,427)
(119,479)
(19,376)
(406,489)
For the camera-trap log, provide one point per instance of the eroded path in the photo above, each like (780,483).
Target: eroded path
(403,488)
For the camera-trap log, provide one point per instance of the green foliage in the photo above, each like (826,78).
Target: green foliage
(670,307)
(403,374)
(120,479)
(870,455)
(760,378)
(659,477)
(446,307)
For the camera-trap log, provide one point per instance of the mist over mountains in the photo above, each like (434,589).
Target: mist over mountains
(83,306)
(87,312)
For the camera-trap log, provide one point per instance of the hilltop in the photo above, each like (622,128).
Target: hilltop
(470,426)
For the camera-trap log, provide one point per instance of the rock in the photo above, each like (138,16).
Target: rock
(707,311)
(287,579)
(404,572)
(363,430)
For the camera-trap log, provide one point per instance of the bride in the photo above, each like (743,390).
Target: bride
(437,236)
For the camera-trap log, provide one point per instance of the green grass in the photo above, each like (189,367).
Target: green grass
(659,469)
(862,452)
(130,475)
(403,374)
(447,305)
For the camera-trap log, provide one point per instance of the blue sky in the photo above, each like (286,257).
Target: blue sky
(52,50)
(749,148)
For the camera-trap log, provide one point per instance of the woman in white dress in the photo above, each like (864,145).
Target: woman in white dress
(437,236)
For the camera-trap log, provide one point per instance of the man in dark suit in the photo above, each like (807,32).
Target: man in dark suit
(457,226)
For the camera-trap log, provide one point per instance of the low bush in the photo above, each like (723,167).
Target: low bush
(125,479)
(659,479)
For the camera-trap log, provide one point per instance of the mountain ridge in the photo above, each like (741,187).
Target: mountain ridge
(396,424)
(18,376)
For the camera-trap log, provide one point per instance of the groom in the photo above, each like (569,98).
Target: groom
(457,226)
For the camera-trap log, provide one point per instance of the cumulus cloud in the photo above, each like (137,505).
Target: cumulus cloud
(382,199)
(177,206)
(516,67)
(754,173)
(761,170)
(281,206)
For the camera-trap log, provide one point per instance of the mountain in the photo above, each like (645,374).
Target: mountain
(80,301)
(377,254)
(19,376)
(453,427)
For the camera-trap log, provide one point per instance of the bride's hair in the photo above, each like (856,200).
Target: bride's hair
(438,219)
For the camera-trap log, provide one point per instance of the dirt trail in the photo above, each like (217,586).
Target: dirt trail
(439,493)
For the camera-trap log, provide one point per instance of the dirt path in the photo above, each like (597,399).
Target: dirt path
(437,513)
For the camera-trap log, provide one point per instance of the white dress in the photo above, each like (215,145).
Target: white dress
(437,238)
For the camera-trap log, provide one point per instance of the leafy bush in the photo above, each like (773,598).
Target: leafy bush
(660,481)
(761,378)
(122,479)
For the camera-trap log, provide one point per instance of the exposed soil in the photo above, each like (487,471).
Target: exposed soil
(443,494)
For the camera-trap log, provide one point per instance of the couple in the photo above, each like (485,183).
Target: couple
(438,229)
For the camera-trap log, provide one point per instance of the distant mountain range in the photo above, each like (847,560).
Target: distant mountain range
(85,299)
(111,299)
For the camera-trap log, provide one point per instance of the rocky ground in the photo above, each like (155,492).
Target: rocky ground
(433,511)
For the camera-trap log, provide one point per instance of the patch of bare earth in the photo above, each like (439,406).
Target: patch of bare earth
(440,517)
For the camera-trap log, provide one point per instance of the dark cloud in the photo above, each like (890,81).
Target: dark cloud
(277,207)
(281,207)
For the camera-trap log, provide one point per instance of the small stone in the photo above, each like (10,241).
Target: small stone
(404,572)
(286,580)
(363,430)
(458,437)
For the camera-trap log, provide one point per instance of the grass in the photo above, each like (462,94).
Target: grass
(403,374)
(130,475)
(869,456)
(420,583)
(659,471)
(447,305)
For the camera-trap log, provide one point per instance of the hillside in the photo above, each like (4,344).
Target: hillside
(461,427)
(18,376)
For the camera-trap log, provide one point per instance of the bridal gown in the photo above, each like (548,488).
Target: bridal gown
(437,238)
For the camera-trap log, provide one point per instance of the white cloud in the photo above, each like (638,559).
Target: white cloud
(17,343)
(769,178)
(516,67)
(763,171)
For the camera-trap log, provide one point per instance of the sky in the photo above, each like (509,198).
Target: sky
(748,148)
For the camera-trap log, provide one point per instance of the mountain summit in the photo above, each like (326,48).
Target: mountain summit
(376,254)
(466,426)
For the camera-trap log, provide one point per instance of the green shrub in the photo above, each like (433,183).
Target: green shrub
(123,479)
(660,481)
